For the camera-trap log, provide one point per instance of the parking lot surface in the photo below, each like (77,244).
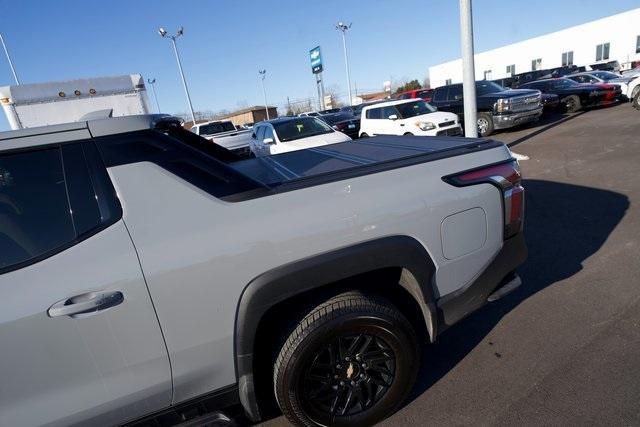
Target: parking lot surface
(564,348)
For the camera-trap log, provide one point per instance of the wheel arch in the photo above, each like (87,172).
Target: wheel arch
(282,283)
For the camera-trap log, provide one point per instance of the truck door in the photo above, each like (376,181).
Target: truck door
(80,339)
(455,101)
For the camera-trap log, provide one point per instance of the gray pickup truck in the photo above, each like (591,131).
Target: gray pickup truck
(151,278)
(225,134)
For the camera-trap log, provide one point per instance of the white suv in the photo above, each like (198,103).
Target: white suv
(407,117)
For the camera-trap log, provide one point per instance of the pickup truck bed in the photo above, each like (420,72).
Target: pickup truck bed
(350,159)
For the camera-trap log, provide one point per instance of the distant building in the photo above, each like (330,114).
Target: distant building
(614,38)
(253,114)
(368,97)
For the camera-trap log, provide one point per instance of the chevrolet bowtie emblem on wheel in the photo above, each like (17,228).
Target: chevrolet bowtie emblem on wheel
(350,371)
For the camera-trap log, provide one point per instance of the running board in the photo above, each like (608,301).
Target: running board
(506,289)
(213,419)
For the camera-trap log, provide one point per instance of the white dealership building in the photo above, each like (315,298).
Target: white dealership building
(614,38)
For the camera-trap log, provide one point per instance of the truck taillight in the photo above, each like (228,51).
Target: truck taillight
(507,178)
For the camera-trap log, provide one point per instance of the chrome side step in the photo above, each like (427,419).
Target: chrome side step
(506,289)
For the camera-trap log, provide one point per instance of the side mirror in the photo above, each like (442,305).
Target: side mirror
(268,141)
(393,117)
(253,135)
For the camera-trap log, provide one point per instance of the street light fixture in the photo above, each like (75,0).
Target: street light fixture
(163,33)
(263,74)
(6,52)
(152,82)
(342,27)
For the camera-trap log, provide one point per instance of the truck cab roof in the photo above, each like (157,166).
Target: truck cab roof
(43,135)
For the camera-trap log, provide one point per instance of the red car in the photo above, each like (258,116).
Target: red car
(425,94)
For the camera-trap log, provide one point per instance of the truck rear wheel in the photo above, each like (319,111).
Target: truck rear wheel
(351,361)
(485,124)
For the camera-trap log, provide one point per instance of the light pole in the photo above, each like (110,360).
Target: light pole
(152,82)
(263,74)
(343,29)
(6,52)
(468,70)
(163,33)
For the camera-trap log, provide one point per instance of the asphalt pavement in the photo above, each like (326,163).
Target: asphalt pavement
(564,348)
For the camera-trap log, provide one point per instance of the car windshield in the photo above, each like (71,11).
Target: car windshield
(605,75)
(213,128)
(483,88)
(412,109)
(300,127)
(335,118)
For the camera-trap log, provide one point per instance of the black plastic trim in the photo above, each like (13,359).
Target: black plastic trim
(301,276)
(219,399)
(455,306)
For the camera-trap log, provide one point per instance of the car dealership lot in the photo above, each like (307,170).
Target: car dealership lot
(565,346)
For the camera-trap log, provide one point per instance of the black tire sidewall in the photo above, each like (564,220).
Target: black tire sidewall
(575,101)
(399,338)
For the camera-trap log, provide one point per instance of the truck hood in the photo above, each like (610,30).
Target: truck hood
(509,93)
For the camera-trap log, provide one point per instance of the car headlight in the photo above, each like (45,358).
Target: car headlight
(425,125)
(503,105)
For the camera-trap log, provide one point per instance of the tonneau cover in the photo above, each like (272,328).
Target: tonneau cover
(393,151)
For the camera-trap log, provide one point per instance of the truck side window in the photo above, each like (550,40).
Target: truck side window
(268,133)
(455,92)
(374,113)
(440,94)
(35,217)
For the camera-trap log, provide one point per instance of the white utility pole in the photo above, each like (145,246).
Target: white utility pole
(163,33)
(468,70)
(343,29)
(152,82)
(263,74)
(6,52)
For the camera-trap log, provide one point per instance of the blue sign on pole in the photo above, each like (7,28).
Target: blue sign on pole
(316,60)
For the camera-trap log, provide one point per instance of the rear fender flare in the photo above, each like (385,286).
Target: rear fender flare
(281,283)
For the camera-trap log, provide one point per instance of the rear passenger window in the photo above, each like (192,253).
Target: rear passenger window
(455,92)
(35,217)
(440,94)
(374,113)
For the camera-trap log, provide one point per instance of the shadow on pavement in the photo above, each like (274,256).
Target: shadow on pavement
(565,224)
(549,122)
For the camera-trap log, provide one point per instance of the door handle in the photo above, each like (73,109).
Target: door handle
(86,303)
(401,124)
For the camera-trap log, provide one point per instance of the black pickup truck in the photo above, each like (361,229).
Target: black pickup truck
(498,108)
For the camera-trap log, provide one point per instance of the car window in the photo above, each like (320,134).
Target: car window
(374,113)
(389,111)
(300,127)
(455,93)
(260,133)
(35,216)
(268,133)
(413,109)
(213,128)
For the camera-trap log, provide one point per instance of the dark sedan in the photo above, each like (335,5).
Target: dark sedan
(343,122)
(576,96)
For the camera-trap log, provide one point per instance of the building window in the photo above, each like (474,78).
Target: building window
(487,75)
(638,44)
(447,82)
(567,58)
(536,64)
(511,70)
(602,52)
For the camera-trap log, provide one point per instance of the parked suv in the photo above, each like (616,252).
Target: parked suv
(498,108)
(150,277)
(407,117)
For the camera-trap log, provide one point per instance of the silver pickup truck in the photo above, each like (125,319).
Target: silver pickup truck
(151,278)
(225,134)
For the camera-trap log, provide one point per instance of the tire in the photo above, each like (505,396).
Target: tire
(407,134)
(315,370)
(636,101)
(485,124)
(636,91)
(364,135)
(572,103)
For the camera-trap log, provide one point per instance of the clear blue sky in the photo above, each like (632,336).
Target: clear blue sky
(227,41)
